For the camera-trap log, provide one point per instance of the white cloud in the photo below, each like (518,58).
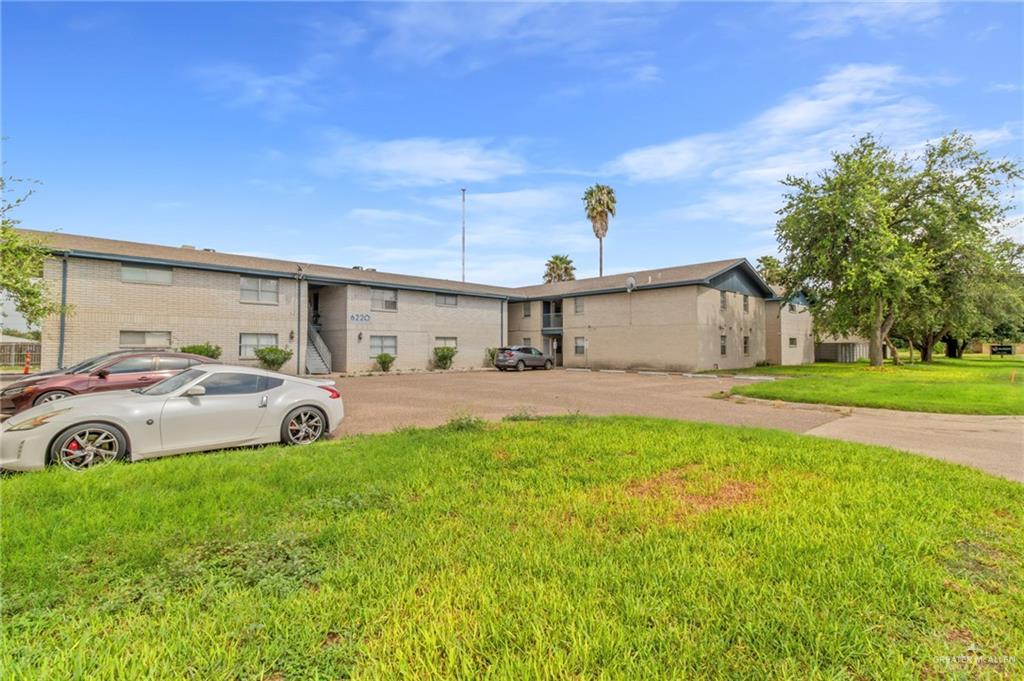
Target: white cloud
(419,161)
(380,215)
(276,95)
(732,176)
(838,19)
(1005,87)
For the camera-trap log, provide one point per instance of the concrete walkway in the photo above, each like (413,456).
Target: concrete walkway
(994,444)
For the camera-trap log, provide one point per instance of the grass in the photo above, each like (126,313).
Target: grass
(553,548)
(973,385)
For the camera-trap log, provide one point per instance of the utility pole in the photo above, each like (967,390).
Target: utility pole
(463,234)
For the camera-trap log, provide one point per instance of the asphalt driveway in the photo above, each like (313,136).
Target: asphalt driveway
(381,403)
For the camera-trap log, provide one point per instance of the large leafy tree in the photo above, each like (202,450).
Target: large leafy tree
(559,268)
(599,200)
(845,240)
(21,261)
(770,269)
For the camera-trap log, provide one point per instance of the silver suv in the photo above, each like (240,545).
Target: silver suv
(519,357)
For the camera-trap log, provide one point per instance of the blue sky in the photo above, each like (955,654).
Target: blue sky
(342,133)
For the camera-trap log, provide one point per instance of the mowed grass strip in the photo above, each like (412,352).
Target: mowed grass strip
(555,548)
(974,385)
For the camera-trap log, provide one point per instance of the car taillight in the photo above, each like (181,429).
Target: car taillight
(334,393)
(509,354)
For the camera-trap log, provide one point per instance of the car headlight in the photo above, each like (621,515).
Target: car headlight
(11,392)
(35,421)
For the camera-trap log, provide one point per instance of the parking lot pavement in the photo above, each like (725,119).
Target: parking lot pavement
(381,403)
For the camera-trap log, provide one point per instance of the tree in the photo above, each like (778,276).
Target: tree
(600,206)
(770,269)
(845,242)
(559,268)
(959,218)
(21,262)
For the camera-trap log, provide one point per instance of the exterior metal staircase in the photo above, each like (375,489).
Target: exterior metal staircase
(318,357)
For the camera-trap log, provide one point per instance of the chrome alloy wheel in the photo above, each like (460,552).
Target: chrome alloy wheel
(305,426)
(88,448)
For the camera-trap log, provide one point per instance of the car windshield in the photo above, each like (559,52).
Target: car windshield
(91,363)
(169,385)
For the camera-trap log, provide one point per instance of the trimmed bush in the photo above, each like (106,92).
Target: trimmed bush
(385,360)
(203,349)
(273,358)
(443,357)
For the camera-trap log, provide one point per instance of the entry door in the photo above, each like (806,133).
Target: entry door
(229,412)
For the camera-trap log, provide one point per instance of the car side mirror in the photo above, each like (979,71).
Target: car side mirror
(101,373)
(195,391)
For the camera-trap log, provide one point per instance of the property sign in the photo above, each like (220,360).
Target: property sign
(1000,349)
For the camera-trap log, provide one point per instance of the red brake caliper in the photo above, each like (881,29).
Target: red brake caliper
(73,445)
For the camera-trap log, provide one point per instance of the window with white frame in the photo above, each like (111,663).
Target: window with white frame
(792,342)
(580,345)
(384,299)
(527,341)
(746,303)
(578,305)
(379,344)
(249,343)
(446,300)
(746,345)
(259,290)
(145,339)
(722,301)
(446,342)
(723,345)
(146,274)
(527,309)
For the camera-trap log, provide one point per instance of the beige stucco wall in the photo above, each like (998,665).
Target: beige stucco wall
(523,330)
(733,323)
(198,306)
(654,329)
(476,322)
(781,324)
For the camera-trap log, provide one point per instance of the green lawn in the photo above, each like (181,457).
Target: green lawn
(560,548)
(974,385)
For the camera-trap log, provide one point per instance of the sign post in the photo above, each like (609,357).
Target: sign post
(1001,350)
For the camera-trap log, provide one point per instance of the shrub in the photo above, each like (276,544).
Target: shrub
(203,349)
(492,354)
(273,358)
(443,357)
(385,360)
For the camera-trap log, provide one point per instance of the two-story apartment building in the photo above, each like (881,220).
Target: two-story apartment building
(120,294)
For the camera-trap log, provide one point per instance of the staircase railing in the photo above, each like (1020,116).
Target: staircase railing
(320,347)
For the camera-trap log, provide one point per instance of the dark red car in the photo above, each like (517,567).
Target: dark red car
(120,370)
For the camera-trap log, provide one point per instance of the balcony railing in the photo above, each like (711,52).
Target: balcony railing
(553,320)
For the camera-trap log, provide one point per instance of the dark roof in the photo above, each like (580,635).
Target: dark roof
(112,249)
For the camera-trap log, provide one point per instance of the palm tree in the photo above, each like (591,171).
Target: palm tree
(559,268)
(600,200)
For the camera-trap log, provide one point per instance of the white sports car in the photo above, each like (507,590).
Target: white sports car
(207,407)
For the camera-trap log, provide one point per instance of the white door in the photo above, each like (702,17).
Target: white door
(229,412)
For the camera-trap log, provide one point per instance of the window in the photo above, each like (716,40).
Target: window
(527,341)
(578,305)
(231,384)
(259,290)
(169,385)
(446,300)
(746,345)
(527,309)
(268,383)
(173,363)
(792,307)
(722,302)
(379,344)
(131,365)
(145,274)
(383,299)
(792,342)
(248,343)
(723,347)
(145,339)
(446,342)
(746,303)
(580,345)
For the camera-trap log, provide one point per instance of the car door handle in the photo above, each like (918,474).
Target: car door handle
(263,402)
(144,379)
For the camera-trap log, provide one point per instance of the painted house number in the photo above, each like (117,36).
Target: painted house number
(359,317)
